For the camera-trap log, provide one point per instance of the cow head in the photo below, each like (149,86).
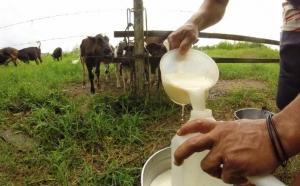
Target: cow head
(157,46)
(156,50)
(128,50)
(101,44)
(124,49)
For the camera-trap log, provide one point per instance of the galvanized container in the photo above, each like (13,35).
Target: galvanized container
(252,113)
(157,164)
(160,162)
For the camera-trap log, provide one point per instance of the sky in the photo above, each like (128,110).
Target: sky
(64,23)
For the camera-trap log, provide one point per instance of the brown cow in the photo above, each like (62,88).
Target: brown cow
(93,50)
(156,47)
(106,63)
(30,54)
(124,49)
(8,54)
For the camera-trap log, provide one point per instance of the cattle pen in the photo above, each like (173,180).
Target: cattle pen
(150,59)
(206,35)
(139,56)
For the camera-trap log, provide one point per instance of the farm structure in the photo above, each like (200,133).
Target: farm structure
(139,58)
(213,36)
(154,60)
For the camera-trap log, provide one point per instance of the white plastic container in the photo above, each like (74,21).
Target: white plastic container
(190,172)
(181,73)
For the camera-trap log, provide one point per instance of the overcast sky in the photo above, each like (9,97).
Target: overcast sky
(23,22)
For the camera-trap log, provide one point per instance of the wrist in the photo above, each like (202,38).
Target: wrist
(194,21)
(289,133)
(199,21)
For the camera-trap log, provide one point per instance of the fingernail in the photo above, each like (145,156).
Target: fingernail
(178,132)
(177,164)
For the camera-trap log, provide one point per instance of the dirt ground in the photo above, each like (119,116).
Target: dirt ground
(220,89)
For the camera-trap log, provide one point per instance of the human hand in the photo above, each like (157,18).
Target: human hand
(183,37)
(237,148)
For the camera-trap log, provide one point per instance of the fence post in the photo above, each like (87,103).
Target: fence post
(139,66)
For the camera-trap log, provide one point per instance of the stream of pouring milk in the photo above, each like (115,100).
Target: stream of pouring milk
(185,88)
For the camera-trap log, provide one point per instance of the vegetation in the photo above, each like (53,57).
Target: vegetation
(104,139)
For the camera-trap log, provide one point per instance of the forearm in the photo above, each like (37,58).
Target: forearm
(288,125)
(209,13)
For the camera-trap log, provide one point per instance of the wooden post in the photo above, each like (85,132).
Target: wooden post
(139,70)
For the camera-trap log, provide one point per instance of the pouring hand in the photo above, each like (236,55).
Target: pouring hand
(183,37)
(237,148)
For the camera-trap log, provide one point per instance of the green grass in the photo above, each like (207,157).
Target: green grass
(104,139)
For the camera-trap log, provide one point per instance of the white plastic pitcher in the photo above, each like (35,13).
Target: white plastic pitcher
(178,70)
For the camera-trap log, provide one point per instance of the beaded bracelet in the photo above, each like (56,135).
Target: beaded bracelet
(282,160)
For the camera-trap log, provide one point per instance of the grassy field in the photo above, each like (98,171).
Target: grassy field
(104,139)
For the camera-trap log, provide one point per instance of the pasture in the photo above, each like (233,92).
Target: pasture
(75,138)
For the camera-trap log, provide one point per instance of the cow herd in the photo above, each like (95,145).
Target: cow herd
(95,50)
(25,55)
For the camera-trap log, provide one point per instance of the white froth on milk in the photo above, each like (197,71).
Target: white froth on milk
(190,80)
(163,179)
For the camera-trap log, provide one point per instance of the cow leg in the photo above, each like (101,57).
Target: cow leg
(130,72)
(147,80)
(130,77)
(83,63)
(117,67)
(106,72)
(127,75)
(40,59)
(97,72)
(159,83)
(13,59)
(124,77)
(36,61)
(8,60)
(154,66)
(91,76)
(152,80)
(16,61)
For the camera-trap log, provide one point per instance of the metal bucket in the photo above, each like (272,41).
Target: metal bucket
(157,164)
(160,162)
(252,113)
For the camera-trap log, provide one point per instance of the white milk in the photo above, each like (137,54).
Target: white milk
(186,88)
(163,179)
